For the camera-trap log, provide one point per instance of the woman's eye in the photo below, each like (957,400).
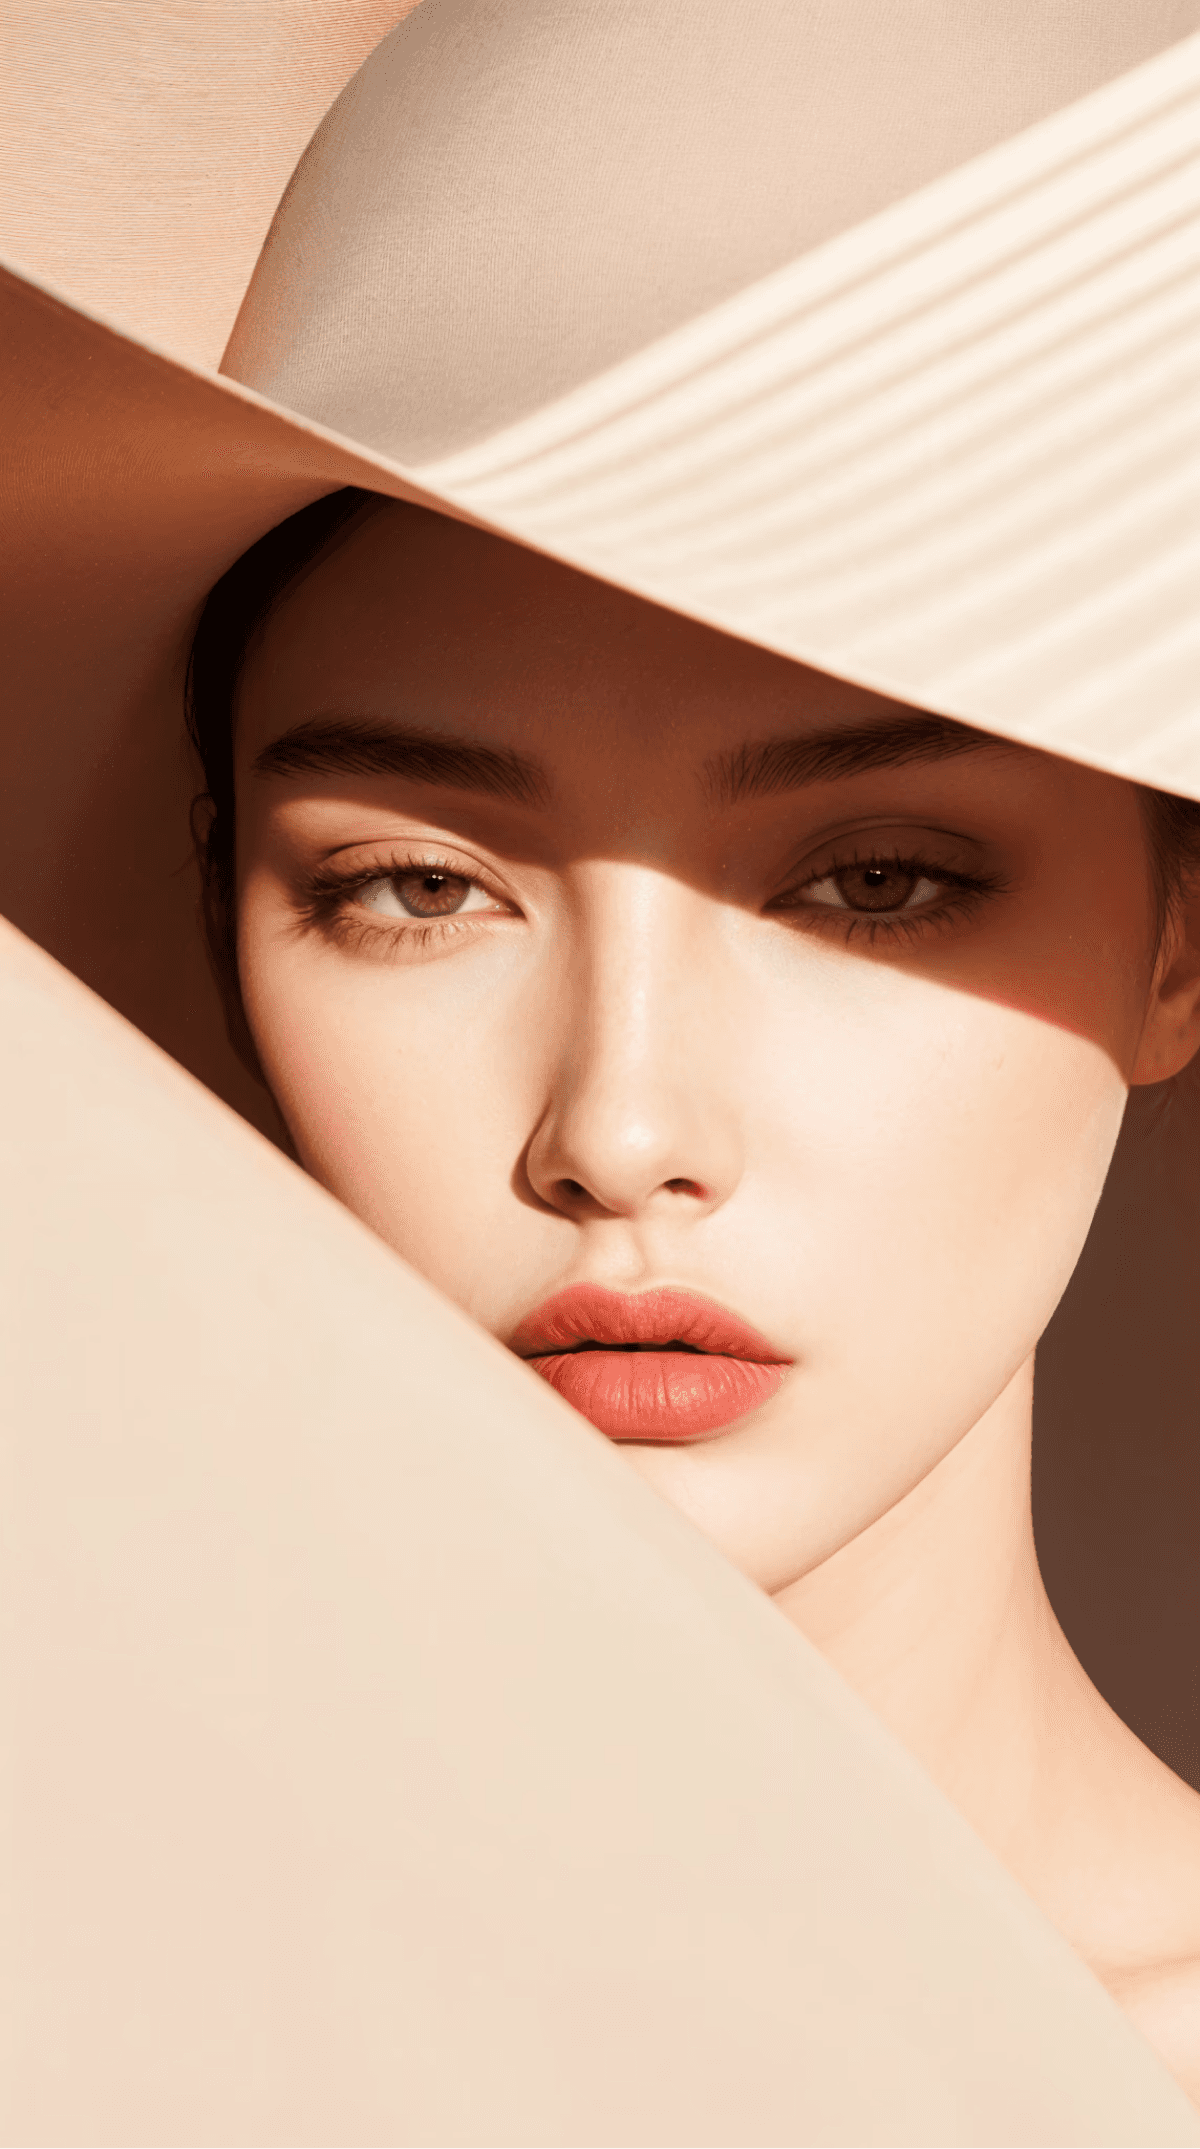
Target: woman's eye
(879,885)
(422,893)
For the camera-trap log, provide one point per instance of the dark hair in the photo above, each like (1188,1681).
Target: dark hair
(242,601)
(1173,838)
(236,607)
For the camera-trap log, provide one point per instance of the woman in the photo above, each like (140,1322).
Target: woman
(744,1045)
(748,1053)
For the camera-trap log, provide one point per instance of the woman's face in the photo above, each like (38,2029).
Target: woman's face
(584,946)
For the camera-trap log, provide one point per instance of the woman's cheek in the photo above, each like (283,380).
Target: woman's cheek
(398,1089)
(984,1136)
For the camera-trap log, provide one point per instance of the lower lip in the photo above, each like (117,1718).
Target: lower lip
(659,1395)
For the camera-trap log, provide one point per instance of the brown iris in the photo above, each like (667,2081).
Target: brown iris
(875,887)
(430,895)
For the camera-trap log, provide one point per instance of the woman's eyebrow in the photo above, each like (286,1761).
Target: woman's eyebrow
(758,770)
(344,746)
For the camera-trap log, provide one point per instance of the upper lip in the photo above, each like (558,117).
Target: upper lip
(588,1313)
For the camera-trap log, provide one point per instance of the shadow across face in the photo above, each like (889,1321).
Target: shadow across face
(579,942)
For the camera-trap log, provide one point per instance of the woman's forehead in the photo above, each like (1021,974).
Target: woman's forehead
(424,648)
(425,666)
(412,620)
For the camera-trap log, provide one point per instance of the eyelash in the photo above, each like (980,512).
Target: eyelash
(963,895)
(329,907)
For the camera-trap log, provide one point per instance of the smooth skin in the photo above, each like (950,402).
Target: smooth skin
(612,1011)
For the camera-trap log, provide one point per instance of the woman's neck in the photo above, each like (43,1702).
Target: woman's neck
(938,1617)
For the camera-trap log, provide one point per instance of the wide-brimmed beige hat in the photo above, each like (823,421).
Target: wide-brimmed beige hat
(868,332)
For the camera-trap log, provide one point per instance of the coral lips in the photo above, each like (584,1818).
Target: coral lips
(659,1365)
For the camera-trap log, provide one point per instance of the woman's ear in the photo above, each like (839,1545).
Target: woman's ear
(1171,1031)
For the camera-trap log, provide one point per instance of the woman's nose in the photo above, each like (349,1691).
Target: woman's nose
(639,1118)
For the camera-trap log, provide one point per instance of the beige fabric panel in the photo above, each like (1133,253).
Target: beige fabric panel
(625,169)
(145,146)
(383,1763)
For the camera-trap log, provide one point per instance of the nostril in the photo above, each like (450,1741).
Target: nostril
(573,1191)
